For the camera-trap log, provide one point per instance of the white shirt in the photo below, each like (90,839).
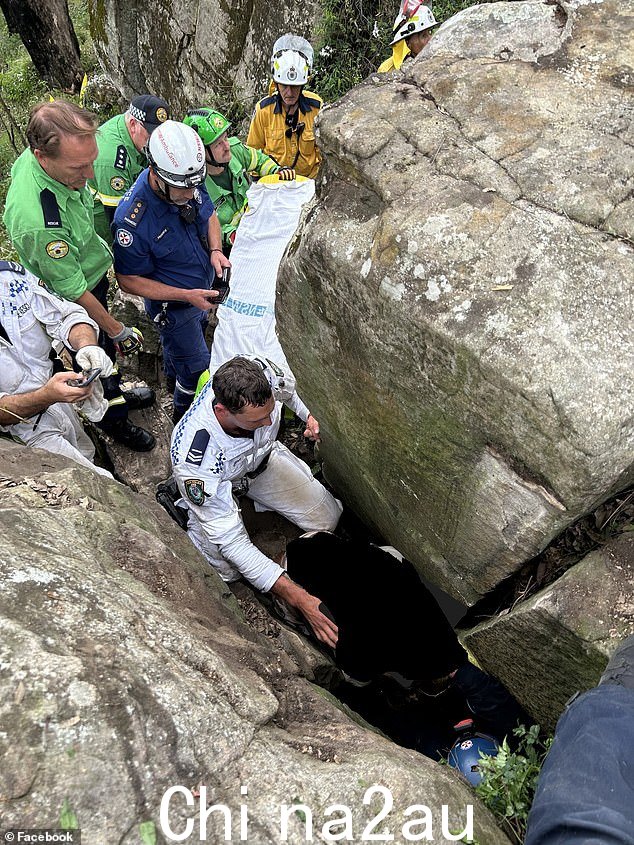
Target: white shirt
(31,317)
(207,462)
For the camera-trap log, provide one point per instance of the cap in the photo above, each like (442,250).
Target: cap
(149,110)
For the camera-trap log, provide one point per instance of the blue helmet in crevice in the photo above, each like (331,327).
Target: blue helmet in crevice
(467,750)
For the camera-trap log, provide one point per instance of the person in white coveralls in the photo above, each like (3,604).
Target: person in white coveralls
(37,405)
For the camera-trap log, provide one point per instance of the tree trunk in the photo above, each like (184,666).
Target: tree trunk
(47,33)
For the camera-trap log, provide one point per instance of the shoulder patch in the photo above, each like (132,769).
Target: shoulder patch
(136,212)
(268,101)
(278,372)
(117,183)
(195,490)
(121,157)
(57,249)
(50,209)
(313,103)
(124,238)
(13,266)
(198,447)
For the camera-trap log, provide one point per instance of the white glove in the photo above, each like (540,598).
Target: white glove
(90,357)
(95,406)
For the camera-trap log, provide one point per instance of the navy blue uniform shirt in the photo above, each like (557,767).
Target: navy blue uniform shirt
(151,239)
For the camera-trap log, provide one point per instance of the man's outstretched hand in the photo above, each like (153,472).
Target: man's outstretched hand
(308,605)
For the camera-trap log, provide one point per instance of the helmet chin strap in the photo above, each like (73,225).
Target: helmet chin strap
(187,211)
(212,161)
(163,189)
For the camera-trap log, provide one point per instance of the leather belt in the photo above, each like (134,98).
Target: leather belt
(259,469)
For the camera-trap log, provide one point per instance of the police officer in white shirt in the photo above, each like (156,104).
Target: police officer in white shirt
(37,406)
(226,445)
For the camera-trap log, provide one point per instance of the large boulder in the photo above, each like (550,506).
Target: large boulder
(457,302)
(126,668)
(192,52)
(558,642)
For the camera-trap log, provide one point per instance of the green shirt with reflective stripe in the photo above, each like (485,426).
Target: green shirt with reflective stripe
(117,167)
(52,230)
(230,203)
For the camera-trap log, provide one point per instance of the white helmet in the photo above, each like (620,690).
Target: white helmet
(289,41)
(422,19)
(290,68)
(177,154)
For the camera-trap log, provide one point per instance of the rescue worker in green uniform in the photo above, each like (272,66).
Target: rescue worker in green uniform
(230,164)
(121,159)
(49,217)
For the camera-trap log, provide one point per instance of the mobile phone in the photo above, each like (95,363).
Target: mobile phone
(221,284)
(88,377)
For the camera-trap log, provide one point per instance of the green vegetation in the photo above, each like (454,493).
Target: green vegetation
(21,88)
(147,832)
(350,42)
(67,818)
(353,39)
(509,779)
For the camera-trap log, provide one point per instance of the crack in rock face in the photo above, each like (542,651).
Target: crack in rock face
(467,266)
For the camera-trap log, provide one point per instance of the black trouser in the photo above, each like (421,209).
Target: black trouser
(389,621)
(117,408)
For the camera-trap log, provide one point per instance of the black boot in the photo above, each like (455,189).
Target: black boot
(130,435)
(139,397)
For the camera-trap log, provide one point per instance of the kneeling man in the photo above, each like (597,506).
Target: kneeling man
(225,446)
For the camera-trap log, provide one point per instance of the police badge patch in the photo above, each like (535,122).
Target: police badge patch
(195,490)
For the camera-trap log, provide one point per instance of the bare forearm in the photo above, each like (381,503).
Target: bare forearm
(82,334)
(214,232)
(99,314)
(149,289)
(14,409)
(324,628)
(21,406)
(288,590)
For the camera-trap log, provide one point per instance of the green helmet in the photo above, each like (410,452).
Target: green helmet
(209,124)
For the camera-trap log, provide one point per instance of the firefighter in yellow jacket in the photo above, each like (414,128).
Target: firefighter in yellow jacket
(283,124)
(412,31)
